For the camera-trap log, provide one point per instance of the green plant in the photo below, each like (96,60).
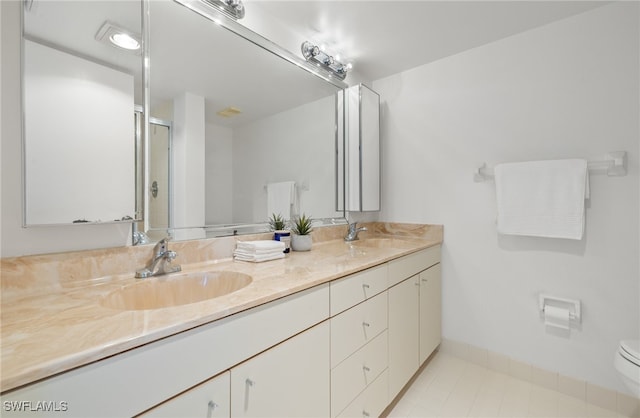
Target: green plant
(302,225)
(277,222)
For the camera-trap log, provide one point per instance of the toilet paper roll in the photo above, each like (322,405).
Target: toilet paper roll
(556,317)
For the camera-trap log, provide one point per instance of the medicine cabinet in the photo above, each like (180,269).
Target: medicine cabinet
(358,149)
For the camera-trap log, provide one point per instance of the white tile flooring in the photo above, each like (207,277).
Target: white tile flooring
(451,387)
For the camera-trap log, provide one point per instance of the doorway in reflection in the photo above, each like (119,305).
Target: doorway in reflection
(159,174)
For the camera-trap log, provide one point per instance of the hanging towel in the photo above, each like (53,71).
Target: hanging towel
(281,199)
(542,198)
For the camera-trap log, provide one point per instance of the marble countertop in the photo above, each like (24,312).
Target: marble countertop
(47,332)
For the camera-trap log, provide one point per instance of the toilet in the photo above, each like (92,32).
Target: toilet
(627,362)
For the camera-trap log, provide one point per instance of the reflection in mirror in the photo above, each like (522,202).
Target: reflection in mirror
(243,120)
(79,95)
(361,145)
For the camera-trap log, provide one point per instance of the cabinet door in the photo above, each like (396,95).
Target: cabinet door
(288,380)
(430,311)
(207,400)
(403,333)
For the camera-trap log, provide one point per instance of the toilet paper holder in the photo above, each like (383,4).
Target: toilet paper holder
(572,305)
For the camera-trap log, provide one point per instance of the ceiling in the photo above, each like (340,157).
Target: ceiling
(382,38)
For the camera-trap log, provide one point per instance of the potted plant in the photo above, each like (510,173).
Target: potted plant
(301,238)
(280,233)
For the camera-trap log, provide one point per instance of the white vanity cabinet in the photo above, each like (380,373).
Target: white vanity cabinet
(359,342)
(137,380)
(404,310)
(430,311)
(414,314)
(339,349)
(288,380)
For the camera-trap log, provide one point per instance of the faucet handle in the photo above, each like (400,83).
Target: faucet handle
(162,246)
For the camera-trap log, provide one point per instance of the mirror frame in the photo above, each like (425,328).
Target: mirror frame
(228,23)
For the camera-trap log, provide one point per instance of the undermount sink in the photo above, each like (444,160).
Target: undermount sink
(175,290)
(382,243)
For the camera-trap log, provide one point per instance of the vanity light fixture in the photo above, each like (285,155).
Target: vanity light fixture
(315,54)
(114,35)
(232,8)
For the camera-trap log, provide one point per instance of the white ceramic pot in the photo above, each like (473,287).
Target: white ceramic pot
(300,242)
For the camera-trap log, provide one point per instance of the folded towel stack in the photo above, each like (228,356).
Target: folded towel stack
(258,251)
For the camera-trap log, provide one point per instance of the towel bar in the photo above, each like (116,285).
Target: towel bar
(612,163)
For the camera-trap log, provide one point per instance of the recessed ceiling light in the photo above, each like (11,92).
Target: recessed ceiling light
(113,35)
(124,40)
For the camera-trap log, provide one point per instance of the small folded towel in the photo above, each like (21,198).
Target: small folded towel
(542,198)
(258,258)
(260,245)
(258,251)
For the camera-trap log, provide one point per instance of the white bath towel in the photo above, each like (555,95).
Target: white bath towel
(257,258)
(261,245)
(281,199)
(542,198)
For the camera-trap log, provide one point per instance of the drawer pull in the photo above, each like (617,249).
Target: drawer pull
(212,406)
(366,369)
(365,286)
(366,324)
(425,280)
(250,382)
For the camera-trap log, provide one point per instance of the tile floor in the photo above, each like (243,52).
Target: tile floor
(451,387)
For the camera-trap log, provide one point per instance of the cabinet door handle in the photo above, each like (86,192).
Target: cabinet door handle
(366,369)
(425,280)
(250,382)
(365,324)
(365,414)
(365,286)
(212,406)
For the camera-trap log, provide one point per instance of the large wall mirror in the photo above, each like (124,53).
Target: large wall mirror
(232,124)
(230,116)
(79,95)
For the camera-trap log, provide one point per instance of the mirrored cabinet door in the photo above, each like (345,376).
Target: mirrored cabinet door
(79,96)
(361,148)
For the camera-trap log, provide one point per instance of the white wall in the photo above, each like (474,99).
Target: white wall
(15,239)
(188,152)
(279,148)
(218,175)
(568,89)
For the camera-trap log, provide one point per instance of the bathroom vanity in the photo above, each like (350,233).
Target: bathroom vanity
(334,332)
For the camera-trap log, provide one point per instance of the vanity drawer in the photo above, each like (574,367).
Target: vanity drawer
(412,264)
(370,403)
(351,290)
(357,326)
(357,372)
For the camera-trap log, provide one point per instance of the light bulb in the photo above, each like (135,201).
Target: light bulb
(125,41)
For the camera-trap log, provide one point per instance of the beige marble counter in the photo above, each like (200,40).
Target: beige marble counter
(53,319)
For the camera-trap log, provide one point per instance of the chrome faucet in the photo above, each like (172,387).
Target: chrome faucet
(352,235)
(160,262)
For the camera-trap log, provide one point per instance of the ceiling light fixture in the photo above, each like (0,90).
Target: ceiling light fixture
(232,8)
(316,54)
(114,35)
